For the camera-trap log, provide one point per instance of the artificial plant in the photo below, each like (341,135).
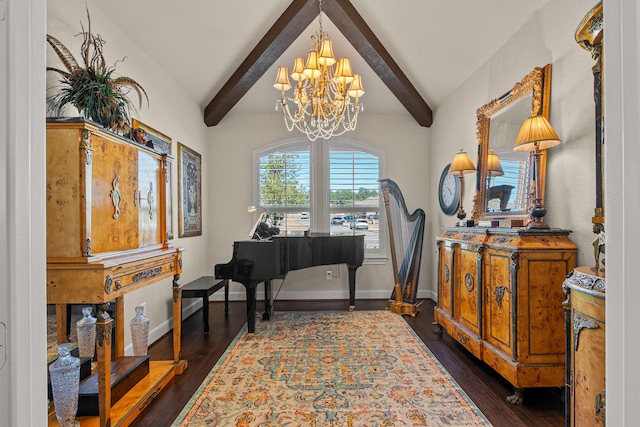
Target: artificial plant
(94,89)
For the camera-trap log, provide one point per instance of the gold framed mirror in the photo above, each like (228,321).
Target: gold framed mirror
(505,192)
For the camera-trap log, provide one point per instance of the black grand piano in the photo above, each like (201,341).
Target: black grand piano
(257,261)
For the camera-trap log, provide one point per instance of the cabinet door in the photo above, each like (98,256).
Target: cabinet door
(445,276)
(114,216)
(149,199)
(467,287)
(498,292)
(588,359)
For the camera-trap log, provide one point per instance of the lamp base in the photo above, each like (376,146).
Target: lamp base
(537,213)
(533,225)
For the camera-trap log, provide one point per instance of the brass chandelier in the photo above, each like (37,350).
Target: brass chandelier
(327,93)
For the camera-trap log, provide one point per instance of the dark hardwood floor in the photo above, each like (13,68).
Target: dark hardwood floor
(542,407)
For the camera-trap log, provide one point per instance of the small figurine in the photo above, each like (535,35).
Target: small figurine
(598,246)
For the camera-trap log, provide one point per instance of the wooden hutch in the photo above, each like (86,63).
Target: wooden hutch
(586,333)
(500,296)
(106,205)
(585,403)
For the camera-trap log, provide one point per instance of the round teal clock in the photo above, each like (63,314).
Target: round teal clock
(448,192)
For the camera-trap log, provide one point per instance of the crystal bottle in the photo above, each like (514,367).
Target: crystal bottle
(140,333)
(65,379)
(86,328)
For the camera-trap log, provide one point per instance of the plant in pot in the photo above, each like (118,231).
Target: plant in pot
(93,87)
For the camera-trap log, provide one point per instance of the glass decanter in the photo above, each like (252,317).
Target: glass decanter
(86,328)
(140,333)
(65,380)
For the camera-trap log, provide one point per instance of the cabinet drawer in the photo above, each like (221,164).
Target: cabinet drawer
(102,282)
(123,279)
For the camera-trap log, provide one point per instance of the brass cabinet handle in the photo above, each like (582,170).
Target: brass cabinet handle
(463,338)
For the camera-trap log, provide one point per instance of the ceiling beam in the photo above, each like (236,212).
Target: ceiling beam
(357,32)
(295,19)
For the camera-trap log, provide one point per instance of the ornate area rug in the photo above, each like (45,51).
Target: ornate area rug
(361,368)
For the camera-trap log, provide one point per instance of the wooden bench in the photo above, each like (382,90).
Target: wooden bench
(203,287)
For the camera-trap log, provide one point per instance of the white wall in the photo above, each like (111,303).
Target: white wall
(548,38)
(169,111)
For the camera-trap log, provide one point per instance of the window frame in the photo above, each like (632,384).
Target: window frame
(319,185)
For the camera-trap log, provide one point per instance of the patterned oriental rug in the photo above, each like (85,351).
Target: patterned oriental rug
(334,369)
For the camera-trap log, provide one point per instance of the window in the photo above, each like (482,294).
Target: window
(329,186)
(508,191)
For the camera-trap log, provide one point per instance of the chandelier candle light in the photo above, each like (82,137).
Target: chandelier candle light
(323,93)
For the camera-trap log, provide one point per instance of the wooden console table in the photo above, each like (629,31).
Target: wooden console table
(106,236)
(500,296)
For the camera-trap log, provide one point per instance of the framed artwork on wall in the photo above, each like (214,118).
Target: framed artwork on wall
(190,179)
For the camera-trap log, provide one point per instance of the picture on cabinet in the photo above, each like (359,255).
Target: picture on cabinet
(149,137)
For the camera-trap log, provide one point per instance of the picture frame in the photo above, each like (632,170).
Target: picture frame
(189,192)
(150,137)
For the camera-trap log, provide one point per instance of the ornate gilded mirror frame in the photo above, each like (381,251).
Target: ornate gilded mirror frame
(514,202)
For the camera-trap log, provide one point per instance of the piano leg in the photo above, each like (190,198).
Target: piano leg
(268,298)
(352,287)
(251,307)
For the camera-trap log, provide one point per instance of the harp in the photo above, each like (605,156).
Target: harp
(406,235)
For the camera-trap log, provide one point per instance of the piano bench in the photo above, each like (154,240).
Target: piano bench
(203,287)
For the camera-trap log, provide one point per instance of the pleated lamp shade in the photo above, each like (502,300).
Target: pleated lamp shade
(536,131)
(325,55)
(461,163)
(297,73)
(355,89)
(282,79)
(311,68)
(494,168)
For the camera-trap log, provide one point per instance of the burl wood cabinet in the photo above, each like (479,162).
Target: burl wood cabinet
(106,236)
(586,329)
(500,296)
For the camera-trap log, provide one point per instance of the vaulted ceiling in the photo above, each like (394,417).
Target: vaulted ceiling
(412,54)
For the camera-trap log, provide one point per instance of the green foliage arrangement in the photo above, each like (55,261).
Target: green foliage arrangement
(94,89)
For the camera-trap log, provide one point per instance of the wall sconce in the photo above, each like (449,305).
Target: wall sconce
(460,165)
(536,134)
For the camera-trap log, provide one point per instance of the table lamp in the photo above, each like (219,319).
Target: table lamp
(536,134)
(460,165)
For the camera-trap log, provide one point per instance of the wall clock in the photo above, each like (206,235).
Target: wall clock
(449,192)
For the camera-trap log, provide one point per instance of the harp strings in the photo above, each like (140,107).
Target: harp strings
(405,237)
